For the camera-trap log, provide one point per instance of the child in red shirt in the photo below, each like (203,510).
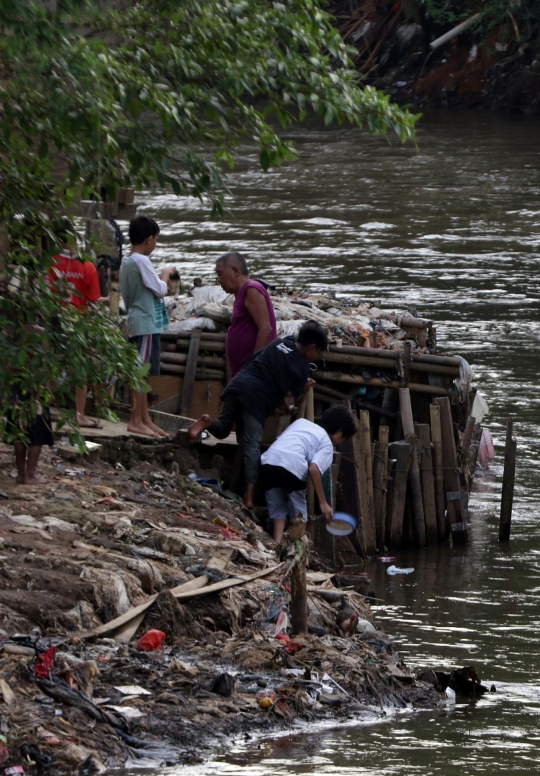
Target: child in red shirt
(83,282)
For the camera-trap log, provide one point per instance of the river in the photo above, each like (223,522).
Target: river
(452,228)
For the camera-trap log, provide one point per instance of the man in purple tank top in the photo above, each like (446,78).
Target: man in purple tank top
(253,324)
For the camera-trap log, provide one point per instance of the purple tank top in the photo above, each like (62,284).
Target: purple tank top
(242,334)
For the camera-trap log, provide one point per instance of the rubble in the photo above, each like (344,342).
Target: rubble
(91,564)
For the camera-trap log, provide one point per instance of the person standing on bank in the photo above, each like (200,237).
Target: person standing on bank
(143,292)
(259,388)
(305,450)
(253,323)
(82,281)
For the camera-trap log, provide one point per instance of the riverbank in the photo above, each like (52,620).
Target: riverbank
(494,64)
(96,540)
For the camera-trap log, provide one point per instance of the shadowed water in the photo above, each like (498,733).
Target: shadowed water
(451,228)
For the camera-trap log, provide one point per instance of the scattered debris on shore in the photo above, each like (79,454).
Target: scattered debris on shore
(96,557)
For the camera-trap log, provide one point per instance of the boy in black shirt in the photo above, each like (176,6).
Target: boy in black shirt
(254,393)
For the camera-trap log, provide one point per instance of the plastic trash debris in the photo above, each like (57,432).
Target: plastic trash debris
(395,570)
(223,684)
(292,647)
(45,664)
(486,452)
(132,689)
(386,558)
(4,753)
(152,639)
(14,770)
(450,694)
(364,626)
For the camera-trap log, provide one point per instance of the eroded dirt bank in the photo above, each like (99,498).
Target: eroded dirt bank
(94,541)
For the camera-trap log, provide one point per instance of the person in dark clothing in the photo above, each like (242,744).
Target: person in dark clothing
(259,388)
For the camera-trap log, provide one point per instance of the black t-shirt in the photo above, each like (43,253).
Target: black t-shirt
(270,374)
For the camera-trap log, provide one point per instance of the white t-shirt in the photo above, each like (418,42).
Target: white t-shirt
(302,443)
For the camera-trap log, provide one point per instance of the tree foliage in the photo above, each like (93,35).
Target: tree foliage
(101,95)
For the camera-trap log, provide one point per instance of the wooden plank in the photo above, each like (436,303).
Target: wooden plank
(443,526)
(400,456)
(220,558)
(428,483)
(310,415)
(191,368)
(414,472)
(341,377)
(224,584)
(509,478)
(366,516)
(365,439)
(380,484)
(125,633)
(452,482)
(128,616)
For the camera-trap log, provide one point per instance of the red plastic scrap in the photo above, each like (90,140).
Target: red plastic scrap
(45,664)
(4,753)
(152,639)
(292,647)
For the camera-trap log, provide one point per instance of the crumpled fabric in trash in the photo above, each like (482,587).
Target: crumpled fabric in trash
(486,451)
(45,664)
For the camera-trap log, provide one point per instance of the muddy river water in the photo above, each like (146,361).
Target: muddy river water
(452,228)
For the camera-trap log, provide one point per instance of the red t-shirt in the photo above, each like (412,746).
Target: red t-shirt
(82,275)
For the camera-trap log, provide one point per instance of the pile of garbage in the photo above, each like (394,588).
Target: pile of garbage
(144,617)
(349,322)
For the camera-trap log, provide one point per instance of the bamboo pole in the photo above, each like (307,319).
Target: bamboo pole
(200,374)
(400,457)
(368,525)
(509,478)
(428,483)
(451,473)
(386,363)
(299,594)
(365,439)
(414,472)
(380,464)
(310,415)
(443,527)
(384,353)
(205,335)
(340,377)
(202,361)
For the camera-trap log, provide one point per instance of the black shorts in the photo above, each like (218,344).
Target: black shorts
(39,430)
(150,351)
(278,477)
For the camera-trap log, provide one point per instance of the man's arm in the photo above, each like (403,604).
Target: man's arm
(256,306)
(316,479)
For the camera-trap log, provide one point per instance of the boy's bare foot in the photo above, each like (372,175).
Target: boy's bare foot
(20,479)
(159,431)
(140,428)
(204,422)
(84,422)
(33,479)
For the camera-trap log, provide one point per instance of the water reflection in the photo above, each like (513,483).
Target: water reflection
(452,229)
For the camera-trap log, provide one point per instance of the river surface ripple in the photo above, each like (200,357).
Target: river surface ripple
(453,229)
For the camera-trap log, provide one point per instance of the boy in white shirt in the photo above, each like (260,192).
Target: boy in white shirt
(303,450)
